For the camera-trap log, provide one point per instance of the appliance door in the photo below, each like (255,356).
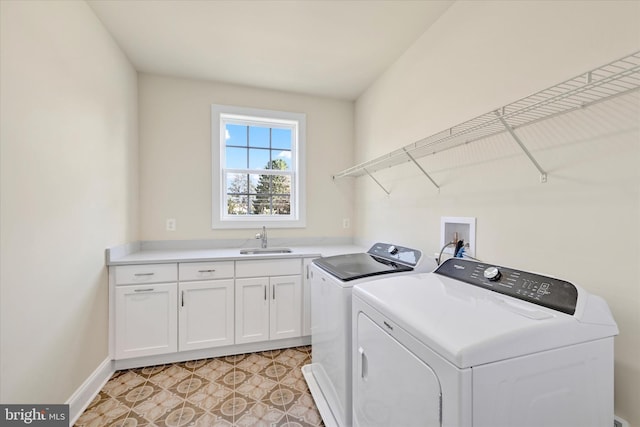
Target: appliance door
(383,372)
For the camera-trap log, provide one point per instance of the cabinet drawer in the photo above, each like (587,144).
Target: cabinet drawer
(146,273)
(268,267)
(206,270)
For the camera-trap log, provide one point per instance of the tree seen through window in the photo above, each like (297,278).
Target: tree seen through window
(257,171)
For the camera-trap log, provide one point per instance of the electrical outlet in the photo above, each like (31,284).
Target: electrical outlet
(346,223)
(171,224)
(453,229)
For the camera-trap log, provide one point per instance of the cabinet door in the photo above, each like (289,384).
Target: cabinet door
(146,320)
(306,296)
(206,314)
(252,310)
(286,307)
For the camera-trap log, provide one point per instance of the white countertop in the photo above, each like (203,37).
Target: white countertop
(154,256)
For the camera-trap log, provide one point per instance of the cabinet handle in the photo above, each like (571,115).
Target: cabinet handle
(144,274)
(143,290)
(206,271)
(265,292)
(273,290)
(182,299)
(307,271)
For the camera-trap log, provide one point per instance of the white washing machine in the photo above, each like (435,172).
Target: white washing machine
(479,345)
(332,280)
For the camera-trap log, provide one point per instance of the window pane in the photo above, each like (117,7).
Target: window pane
(237,183)
(281,160)
(237,205)
(258,158)
(254,205)
(281,185)
(281,138)
(254,194)
(281,205)
(236,158)
(258,137)
(237,198)
(253,182)
(263,185)
(261,204)
(236,135)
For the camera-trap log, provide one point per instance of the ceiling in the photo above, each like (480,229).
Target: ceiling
(333,48)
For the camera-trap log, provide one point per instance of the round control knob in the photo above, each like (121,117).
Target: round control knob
(492,273)
(392,250)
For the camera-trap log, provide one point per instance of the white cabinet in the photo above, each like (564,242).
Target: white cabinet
(145,320)
(306,296)
(286,307)
(191,307)
(205,314)
(252,310)
(268,299)
(268,308)
(205,306)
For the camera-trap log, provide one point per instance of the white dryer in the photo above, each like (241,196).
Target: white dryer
(479,345)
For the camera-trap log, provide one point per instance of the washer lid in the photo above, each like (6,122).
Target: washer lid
(382,258)
(356,266)
(470,326)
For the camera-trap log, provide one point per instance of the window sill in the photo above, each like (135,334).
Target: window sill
(257,223)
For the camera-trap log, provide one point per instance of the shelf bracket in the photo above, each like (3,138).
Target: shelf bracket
(421,168)
(543,174)
(376,181)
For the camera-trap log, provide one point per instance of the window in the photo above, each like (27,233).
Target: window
(258,163)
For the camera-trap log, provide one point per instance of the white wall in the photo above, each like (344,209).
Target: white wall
(68,127)
(584,224)
(175,157)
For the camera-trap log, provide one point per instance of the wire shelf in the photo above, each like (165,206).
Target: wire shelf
(603,83)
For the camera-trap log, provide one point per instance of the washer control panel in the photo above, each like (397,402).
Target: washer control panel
(396,253)
(535,288)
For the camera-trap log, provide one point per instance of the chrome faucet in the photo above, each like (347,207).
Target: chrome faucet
(263,236)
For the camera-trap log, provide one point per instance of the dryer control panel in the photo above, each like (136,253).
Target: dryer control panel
(535,288)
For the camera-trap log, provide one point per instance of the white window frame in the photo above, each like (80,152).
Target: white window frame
(220,114)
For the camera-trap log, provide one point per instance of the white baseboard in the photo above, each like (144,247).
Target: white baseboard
(83,396)
(182,356)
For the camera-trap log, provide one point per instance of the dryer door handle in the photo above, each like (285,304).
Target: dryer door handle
(364,364)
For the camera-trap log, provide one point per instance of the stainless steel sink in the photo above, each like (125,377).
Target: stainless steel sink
(256,251)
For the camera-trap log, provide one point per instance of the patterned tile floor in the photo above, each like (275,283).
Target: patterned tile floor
(257,389)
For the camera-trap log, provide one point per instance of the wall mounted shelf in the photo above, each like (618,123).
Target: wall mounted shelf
(603,83)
